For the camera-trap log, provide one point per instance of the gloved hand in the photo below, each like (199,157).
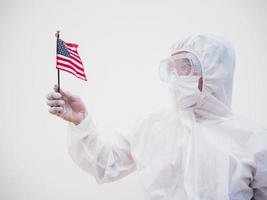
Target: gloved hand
(66,106)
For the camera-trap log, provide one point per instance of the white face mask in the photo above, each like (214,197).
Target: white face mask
(184,91)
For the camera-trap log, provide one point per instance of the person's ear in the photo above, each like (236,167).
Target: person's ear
(200,83)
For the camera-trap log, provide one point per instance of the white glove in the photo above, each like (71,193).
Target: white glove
(66,106)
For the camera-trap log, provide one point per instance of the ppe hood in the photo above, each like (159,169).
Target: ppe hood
(217,58)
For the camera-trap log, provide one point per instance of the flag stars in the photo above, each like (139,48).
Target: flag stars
(62,49)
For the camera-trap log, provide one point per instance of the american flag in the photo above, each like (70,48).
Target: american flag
(69,60)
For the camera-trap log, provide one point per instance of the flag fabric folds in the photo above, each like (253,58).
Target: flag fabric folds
(69,60)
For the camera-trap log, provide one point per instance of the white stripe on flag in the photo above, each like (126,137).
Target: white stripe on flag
(72,72)
(79,66)
(69,66)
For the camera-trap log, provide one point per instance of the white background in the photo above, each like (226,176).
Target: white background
(121,44)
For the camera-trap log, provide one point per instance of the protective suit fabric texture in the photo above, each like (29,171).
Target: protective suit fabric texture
(203,152)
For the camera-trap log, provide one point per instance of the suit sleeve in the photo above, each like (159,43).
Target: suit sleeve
(106,158)
(259,183)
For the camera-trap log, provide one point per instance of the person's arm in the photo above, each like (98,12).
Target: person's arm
(106,158)
(259,182)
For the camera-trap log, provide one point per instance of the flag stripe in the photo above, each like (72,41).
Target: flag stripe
(70,67)
(77,60)
(71,44)
(74,61)
(70,62)
(66,63)
(70,71)
(77,57)
(73,51)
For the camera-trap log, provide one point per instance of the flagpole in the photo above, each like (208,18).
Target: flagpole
(58,71)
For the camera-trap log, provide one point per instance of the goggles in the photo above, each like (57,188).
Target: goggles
(184,64)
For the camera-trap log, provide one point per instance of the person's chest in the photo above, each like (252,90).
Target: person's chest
(180,161)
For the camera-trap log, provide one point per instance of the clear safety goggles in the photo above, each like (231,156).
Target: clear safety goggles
(184,64)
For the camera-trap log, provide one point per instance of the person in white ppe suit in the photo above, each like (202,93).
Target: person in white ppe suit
(198,150)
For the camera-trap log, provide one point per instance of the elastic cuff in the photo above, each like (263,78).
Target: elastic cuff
(85,125)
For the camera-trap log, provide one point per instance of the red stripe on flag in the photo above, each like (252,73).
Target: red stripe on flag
(69,61)
(71,44)
(83,78)
(69,66)
(75,55)
(73,51)
(77,60)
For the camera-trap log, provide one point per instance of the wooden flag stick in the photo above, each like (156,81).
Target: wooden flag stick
(58,71)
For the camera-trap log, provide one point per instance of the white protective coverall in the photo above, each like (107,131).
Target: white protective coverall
(204,152)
